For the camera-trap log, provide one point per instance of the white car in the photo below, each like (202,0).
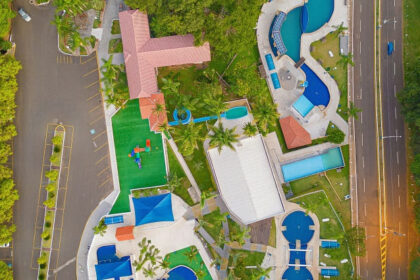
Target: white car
(5,245)
(24,15)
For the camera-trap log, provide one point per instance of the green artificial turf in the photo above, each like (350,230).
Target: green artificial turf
(130,130)
(179,258)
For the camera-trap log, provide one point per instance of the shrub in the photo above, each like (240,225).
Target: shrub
(57,149)
(57,140)
(42,266)
(55,159)
(52,187)
(47,224)
(50,202)
(46,236)
(41,276)
(5,45)
(335,135)
(51,195)
(42,259)
(52,175)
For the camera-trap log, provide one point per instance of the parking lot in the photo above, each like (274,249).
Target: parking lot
(55,88)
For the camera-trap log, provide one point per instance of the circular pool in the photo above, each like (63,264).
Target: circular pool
(181,273)
(298,227)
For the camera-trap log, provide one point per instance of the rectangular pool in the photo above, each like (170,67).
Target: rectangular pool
(303,105)
(312,165)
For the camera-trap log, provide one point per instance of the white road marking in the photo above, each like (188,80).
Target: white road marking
(363,162)
(360,66)
(399,269)
(361,117)
(361,7)
(395,112)
(394,3)
(398,180)
(360,50)
(399,252)
(399,226)
(398,158)
(362,139)
(64,265)
(399,201)
(365,215)
(364,185)
(361,93)
(395,90)
(394,69)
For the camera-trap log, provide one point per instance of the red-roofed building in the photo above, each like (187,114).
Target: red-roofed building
(143,54)
(124,233)
(294,134)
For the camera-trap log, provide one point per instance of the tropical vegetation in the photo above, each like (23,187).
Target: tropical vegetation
(115,87)
(220,137)
(6,14)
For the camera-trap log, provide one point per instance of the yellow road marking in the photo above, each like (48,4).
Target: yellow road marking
(100,147)
(101,159)
(92,84)
(93,96)
(103,170)
(87,74)
(99,135)
(87,60)
(94,121)
(103,183)
(95,108)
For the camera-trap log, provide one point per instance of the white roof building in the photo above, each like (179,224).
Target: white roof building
(246,180)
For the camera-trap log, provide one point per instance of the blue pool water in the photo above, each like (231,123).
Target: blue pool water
(106,254)
(318,13)
(181,273)
(316,91)
(297,228)
(236,113)
(329,244)
(293,274)
(303,105)
(312,165)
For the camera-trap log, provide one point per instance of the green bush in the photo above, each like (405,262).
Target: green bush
(5,45)
(57,149)
(42,266)
(52,187)
(335,135)
(43,258)
(47,224)
(52,175)
(41,276)
(51,195)
(50,202)
(55,159)
(57,140)
(46,236)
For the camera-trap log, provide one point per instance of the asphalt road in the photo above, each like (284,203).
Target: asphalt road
(55,88)
(395,154)
(366,139)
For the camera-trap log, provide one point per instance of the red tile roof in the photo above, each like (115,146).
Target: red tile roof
(124,233)
(147,110)
(142,54)
(294,134)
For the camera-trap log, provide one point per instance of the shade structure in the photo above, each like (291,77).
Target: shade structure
(153,209)
(124,233)
(114,270)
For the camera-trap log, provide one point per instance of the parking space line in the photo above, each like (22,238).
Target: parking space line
(101,159)
(90,72)
(87,60)
(92,84)
(95,108)
(100,147)
(103,170)
(107,180)
(93,96)
(99,134)
(94,121)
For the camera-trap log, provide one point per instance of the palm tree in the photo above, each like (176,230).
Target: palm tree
(184,102)
(200,273)
(159,109)
(191,254)
(165,127)
(223,137)
(241,235)
(260,273)
(220,241)
(173,182)
(100,228)
(339,29)
(202,223)
(353,111)
(204,196)
(249,129)
(220,217)
(265,113)
(188,138)
(345,60)
(170,87)
(165,264)
(149,272)
(215,103)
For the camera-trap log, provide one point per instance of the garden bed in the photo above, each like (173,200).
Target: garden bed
(115,29)
(115,46)
(246,258)
(213,226)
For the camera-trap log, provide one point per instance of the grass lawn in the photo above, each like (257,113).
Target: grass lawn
(234,228)
(175,168)
(200,169)
(272,238)
(308,184)
(115,29)
(318,203)
(411,24)
(115,46)
(213,227)
(130,130)
(248,258)
(320,52)
(179,258)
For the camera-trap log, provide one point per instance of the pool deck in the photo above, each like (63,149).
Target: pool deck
(161,234)
(316,122)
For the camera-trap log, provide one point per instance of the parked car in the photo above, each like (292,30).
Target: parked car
(5,245)
(390,48)
(24,15)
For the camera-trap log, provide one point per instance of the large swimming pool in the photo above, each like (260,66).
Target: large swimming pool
(181,273)
(318,11)
(312,165)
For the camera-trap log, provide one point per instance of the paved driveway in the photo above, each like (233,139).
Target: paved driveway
(55,88)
